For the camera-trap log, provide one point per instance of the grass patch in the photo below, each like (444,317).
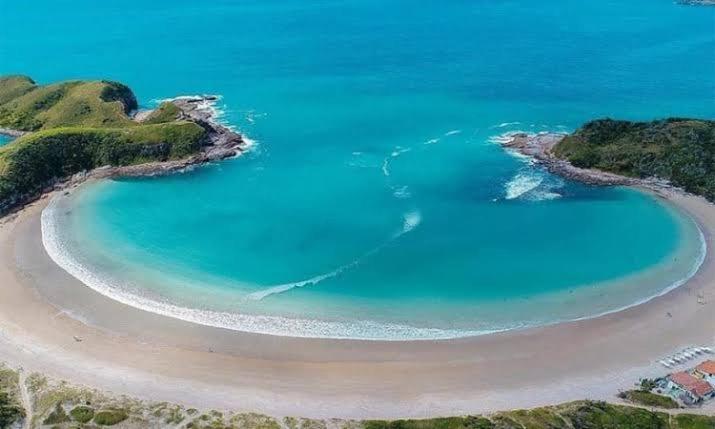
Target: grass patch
(589,414)
(690,421)
(649,399)
(166,112)
(58,415)
(471,422)
(110,417)
(82,413)
(12,87)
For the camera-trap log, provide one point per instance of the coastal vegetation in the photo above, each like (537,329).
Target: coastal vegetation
(650,399)
(75,126)
(11,410)
(681,151)
(59,405)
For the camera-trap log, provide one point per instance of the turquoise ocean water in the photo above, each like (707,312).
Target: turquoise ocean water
(375,203)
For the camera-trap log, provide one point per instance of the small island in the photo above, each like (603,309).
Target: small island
(90,129)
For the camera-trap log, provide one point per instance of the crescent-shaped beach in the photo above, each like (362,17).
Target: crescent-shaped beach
(129,351)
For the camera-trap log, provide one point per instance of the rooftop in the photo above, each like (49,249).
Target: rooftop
(707,367)
(691,383)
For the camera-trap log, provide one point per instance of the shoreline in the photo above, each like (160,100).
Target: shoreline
(130,351)
(359,329)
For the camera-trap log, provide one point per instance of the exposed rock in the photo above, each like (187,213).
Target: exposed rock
(539,147)
(12,133)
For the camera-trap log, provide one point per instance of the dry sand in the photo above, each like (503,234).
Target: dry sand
(129,351)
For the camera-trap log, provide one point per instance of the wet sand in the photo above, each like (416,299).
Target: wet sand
(44,326)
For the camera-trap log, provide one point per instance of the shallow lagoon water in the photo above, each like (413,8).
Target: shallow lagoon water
(375,203)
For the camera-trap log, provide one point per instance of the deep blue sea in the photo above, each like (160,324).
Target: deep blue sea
(375,202)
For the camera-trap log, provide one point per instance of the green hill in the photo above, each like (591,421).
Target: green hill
(681,151)
(80,125)
(26,106)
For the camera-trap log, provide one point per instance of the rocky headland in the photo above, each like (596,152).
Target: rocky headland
(672,154)
(68,132)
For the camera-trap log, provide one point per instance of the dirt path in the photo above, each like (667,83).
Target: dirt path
(25,399)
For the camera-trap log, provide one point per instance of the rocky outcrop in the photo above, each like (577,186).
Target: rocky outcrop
(221,142)
(539,147)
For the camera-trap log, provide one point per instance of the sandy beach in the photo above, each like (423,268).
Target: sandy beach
(43,315)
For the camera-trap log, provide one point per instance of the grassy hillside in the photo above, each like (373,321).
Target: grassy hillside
(28,107)
(679,150)
(81,125)
(166,112)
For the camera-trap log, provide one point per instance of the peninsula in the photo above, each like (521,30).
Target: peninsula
(671,152)
(85,128)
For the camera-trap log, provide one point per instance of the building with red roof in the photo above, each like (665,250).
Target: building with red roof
(706,370)
(689,388)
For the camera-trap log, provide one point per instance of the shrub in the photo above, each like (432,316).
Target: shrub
(10,412)
(110,417)
(82,413)
(58,415)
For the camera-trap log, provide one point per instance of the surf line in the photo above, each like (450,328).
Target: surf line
(410,221)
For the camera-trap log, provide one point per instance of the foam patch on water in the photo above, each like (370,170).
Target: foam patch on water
(506,124)
(411,221)
(532,184)
(452,133)
(401,192)
(521,184)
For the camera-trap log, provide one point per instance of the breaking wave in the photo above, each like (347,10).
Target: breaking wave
(410,221)
(521,184)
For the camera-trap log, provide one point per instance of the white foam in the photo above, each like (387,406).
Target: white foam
(411,221)
(452,132)
(522,183)
(431,141)
(386,167)
(399,151)
(506,124)
(543,196)
(401,192)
